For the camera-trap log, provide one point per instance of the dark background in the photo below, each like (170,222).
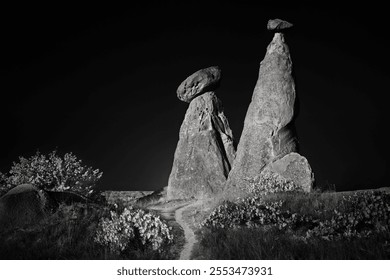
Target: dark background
(100,81)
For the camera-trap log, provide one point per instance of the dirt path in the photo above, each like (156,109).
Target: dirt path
(176,212)
(188,233)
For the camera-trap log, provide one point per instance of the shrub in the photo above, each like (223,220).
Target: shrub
(53,172)
(357,215)
(253,212)
(133,226)
(71,232)
(271,182)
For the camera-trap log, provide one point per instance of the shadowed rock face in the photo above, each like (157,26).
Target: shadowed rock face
(24,204)
(267,135)
(202,81)
(204,152)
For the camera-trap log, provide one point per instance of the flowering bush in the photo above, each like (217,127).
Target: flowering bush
(271,182)
(119,231)
(54,173)
(252,212)
(357,215)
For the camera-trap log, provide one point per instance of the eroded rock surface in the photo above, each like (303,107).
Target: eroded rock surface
(205,150)
(278,24)
(268,133)
(201,81)
(293,167)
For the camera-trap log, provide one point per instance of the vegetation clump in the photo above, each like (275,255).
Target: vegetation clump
(270,182)
(133,226)
(90,231)
(52,172)
(280,222)
(357,215)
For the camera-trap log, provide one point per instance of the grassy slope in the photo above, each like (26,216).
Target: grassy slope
(62,237)
(259,243)
(69,234)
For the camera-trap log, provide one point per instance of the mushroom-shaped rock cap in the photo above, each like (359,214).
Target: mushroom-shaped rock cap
(278,24)
(200,82)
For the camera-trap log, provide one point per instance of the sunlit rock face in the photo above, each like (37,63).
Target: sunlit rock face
(205,150)
(201,81)
(268,133)
(294,168)
(278,24)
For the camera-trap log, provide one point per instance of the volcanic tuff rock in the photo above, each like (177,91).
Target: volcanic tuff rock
(202,81)
(205,150)
(278,24)
(26,204)
(293,167)
(268,131)
(23,205)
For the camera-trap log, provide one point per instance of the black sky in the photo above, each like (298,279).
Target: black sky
(100,81)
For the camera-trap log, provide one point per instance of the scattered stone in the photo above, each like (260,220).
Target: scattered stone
(205,150)
(293,167)
(202,81)
(278,24)
(22,205)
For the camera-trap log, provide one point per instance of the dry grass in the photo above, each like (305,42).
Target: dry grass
(269,242)
(258,244)
(69,234)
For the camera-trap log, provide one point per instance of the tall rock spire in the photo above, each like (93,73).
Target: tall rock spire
(268,135)
(205,150)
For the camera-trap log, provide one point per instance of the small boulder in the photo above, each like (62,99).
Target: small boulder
(22,205)
(293,167)
(278,24)
(202,81)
